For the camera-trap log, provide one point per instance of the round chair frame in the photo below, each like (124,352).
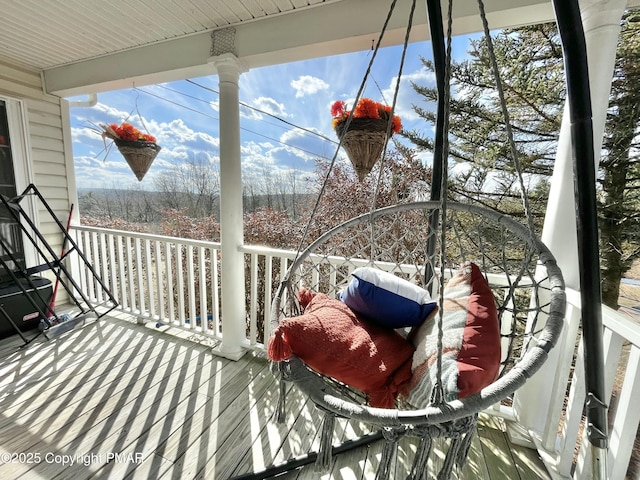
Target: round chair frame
(510,378)
(528,287)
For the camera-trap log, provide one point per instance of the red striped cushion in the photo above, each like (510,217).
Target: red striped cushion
(471,341)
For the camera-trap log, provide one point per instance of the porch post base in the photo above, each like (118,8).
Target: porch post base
(519,435)
(227,353)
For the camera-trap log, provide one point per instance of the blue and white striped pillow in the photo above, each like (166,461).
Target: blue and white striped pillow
(387,299)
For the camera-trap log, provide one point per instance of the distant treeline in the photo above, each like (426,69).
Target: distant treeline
(142,206)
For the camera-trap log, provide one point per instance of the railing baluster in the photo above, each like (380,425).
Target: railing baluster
(80,270)
(215,293)
(315,276)
(148,270)
(169,274)
(160,278)
(202,275)
(190,286)
(95,294)
(625,425)
(89,254)
(180,290)
(139,271)
(130,276)
(268,289)
(113,278)
(104,263)
(562,377)
(573,416)
(253,296)
(123,273)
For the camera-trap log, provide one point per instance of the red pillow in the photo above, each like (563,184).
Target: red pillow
(471,341)
(332,340)
(479,357)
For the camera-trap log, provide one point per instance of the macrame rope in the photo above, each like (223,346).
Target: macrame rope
(281,408)
(450,459)
(515,157)
(393,103)
(438,389)
(390,123)
(347,123)
(419,467)
(465,446)
(323,462)
(391,438)
(505,114)
(283,373)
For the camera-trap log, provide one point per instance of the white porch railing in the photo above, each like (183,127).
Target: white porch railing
(176,282)
(564,446)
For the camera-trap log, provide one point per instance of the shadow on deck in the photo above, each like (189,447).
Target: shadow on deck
(120,400)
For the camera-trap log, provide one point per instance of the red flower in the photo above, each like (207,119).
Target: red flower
(128,132)
(396,124)
(337,109)
(366,108)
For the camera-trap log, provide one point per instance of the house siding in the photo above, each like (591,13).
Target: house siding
(48,146)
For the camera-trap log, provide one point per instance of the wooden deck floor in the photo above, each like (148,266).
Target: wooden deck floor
(119,400)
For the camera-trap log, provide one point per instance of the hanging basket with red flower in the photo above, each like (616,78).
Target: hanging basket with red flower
(364,134)
(138,149)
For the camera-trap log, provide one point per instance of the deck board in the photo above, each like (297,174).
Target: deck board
(171,409)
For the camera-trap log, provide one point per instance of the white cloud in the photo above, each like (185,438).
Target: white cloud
(177,134)
(407,96)
(263,104)
(271,106)
(292,135)
(308,85)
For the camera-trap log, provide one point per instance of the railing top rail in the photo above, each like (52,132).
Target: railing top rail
(262,250)
(147,236)
(618,322)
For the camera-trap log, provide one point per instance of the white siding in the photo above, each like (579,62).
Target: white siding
(46,145)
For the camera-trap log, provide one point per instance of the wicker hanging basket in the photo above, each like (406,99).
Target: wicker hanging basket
(139,155)
(364,142)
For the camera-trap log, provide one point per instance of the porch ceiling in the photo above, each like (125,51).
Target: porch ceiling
(84,46)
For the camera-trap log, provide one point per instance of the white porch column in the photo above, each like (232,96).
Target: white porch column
(601,20)
(231,225)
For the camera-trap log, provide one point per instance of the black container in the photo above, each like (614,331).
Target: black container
(19,307)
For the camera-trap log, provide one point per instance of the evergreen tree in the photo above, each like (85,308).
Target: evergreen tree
(530,60)
(620,165)
(532,73)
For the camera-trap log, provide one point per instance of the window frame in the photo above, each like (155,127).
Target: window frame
(20,151)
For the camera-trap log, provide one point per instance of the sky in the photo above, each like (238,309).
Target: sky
(184,116)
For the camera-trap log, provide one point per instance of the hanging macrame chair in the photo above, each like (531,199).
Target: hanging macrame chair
(428,243)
